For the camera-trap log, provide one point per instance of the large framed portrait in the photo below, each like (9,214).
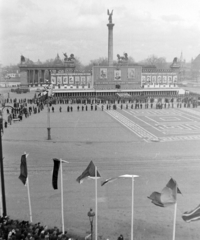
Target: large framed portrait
(103,73)
(83,79)
(153,79)
(164,79)
(117,75)
(59,79)
(131,73)
(159,79)
(148,79)
(174,79)
(77,79)
(169,79)
(71,80)
(53,80)
(65,80)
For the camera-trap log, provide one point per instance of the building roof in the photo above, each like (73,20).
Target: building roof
(197,59)
(196,63)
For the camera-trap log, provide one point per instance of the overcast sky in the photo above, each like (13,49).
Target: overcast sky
(39,29)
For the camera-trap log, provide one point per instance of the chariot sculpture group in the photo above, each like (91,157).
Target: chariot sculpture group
(122,58)
(70,58)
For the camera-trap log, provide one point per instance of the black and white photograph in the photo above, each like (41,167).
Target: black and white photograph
(99,120)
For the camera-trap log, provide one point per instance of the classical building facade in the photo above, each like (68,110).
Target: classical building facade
(37,74)
(133,79)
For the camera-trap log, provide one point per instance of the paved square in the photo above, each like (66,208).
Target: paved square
(161,124)
(118,142)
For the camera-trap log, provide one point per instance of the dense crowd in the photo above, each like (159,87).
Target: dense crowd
(25,107)
(24,230)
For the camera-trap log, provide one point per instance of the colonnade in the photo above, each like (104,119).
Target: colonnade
(36,76)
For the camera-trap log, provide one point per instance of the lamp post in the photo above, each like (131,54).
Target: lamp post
(48,117)
(91,215)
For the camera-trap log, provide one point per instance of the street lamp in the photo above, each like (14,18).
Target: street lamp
(91,215)
(48,116)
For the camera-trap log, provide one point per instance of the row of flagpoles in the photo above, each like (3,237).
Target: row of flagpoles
(167,197)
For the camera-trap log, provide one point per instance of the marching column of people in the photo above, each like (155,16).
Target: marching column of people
(26,107)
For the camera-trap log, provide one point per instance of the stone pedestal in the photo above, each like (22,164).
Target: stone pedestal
(110,43)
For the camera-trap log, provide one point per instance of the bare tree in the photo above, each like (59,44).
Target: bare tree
(159,62)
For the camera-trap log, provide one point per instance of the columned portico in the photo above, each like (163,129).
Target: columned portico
(36,74)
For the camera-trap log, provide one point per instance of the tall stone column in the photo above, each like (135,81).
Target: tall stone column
(39,76)
(31,76)
(43,76)
(28,77)
(34,77)
(110,43)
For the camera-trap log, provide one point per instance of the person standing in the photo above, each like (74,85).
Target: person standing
(120,237)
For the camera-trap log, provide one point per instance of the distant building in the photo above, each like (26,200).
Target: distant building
(9,78)
(12,75)
(195,69)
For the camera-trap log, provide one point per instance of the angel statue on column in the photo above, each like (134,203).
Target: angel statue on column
(110,15)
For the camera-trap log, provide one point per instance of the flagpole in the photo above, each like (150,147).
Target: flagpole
(175,210)
(174,225)
(62,210)
(1,206)
(96,203)
(29,200)
(28,191)
(132,207)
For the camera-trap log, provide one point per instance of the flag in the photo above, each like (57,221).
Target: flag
(193,215)
(167,196)
(55,173)
(89,172)
(114,178)
(23,169)
(88,236)
(43,95)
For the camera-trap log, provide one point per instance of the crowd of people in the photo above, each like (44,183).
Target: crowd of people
(24,230)
(25,107)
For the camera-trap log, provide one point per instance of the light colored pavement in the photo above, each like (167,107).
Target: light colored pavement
(80,137)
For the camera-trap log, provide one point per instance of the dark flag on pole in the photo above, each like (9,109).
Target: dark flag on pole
(55,173)
(89,172)
(23,169)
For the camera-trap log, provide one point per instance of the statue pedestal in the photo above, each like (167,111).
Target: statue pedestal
(110,25)
(123,63)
